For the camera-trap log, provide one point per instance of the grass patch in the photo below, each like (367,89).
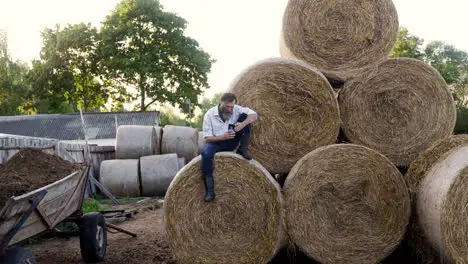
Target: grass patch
(93,205)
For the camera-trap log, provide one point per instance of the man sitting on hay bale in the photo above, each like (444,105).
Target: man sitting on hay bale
(225,127)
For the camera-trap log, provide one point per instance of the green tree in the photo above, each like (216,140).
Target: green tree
(145,48)
(205,105)
(67,71)
(407,45)
(451,62)
(13,86)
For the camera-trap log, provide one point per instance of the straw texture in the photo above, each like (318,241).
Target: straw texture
(346,204)
(392,109)
(441,205)
(415,239)
(297,111)
(243,225)
(339,37)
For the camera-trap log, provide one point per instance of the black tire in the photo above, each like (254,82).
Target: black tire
(18,255)
(93,237)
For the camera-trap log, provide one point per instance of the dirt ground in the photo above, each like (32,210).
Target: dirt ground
(29,170)
(150,247)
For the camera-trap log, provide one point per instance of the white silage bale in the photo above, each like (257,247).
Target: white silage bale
(180,140)
(121,177)
(133,142)
(157,172)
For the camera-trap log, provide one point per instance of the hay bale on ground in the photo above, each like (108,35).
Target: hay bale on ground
(242,226)
(181,162)
(339,37)
(158,130)
(297,111)
(180,140)
(346,204)
(441,205)
(133,142)
(157,172)
(415,239)
(121,177)
(400,108)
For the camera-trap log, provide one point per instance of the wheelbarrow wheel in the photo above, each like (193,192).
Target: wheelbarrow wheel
(93,237)
(18,255)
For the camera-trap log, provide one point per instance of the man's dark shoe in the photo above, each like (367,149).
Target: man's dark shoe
(209,197)
(244,154)
(209,187)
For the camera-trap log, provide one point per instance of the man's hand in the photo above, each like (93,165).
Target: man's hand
(239,126)
(229,135)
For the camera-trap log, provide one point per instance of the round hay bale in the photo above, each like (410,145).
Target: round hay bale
(180,140)
(134,142)
(400,109)
(297,110)
(158,130)
(242,226)
(121,177)
(181,162)
(346,204)
(201,142)
(339,37)
(441,205)
(415,239)
(420,166)
(157,173)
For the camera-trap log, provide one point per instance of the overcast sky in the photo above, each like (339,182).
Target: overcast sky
(235,33)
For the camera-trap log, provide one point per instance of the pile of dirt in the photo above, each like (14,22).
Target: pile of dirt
(30,169)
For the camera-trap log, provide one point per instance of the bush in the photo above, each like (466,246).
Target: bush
(462,121)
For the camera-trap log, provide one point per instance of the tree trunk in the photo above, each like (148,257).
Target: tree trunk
(142,93)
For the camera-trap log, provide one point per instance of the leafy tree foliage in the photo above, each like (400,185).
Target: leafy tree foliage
(145,48)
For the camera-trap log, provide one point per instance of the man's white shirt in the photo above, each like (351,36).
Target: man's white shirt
(213,124)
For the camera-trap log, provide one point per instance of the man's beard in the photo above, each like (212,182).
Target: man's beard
(224,112)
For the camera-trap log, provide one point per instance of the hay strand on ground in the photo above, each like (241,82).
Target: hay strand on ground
(242,226)
(339,37)
(297,111)
(391,109)
(346,204)
(441,204)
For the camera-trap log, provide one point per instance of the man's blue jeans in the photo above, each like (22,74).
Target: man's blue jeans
(210,149)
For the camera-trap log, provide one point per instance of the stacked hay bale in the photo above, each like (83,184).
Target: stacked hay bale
(397,107)
(244,225)
(297,111)
(345,203)
(180,140)
(157,173)
(416,241)
(133,142)
(441,205)
(339,37)
(146,161)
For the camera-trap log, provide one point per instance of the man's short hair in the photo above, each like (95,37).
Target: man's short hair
(228,98)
